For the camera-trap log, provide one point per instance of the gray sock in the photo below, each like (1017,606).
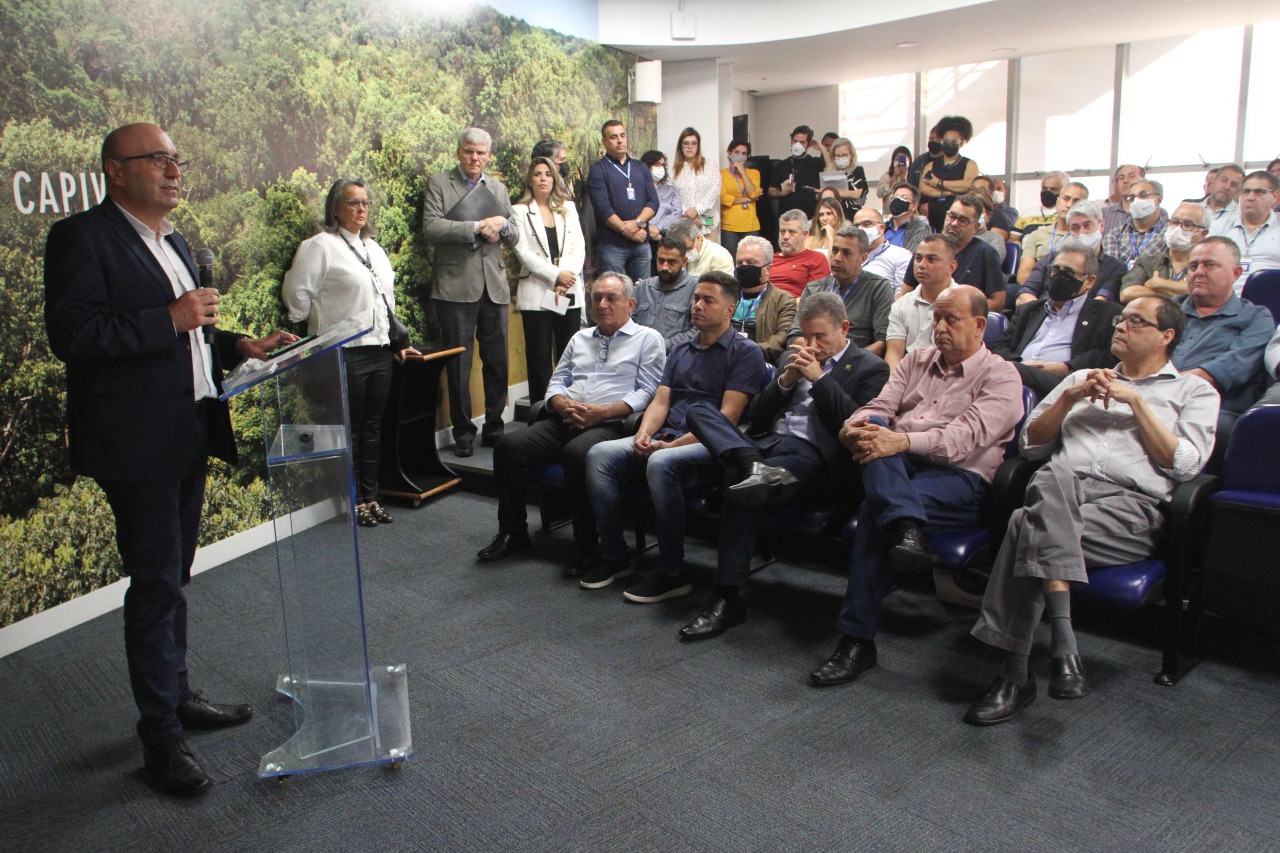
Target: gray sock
(1057,609)
(1015,668)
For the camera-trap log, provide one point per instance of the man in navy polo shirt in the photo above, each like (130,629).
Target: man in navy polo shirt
(720,366)
(624,200)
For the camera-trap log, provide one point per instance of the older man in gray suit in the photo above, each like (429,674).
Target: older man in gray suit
(469,288)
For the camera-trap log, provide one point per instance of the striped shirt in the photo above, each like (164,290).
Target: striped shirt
(1103,442)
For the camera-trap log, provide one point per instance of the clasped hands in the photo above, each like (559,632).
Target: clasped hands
(869,442)
(491,229)
(577,415)
(1103,385)
(634,231)
(802,360)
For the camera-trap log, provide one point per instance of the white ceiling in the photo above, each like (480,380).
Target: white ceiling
(976,33)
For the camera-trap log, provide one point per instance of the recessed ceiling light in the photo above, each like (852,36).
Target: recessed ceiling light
(907,44)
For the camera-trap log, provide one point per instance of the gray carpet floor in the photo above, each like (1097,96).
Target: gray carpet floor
(546,717)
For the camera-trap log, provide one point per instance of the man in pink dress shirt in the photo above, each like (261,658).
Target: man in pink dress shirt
(928,446)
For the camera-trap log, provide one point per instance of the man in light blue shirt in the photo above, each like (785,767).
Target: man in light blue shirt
(605,374)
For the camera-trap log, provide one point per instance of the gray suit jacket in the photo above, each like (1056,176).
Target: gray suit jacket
(466,265)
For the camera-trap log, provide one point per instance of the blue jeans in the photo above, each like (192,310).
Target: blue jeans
(632,259)
(899,487)
(611,464)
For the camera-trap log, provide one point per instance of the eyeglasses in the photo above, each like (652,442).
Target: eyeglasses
(1134,322)
(958,219)
(1186,225)
(159,159)
(1144,194)
(605,340)
(357,202)
(1255,191)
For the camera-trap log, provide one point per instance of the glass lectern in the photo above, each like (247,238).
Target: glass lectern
(346,713)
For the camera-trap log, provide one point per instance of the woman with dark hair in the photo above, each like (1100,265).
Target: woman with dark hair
(669,209)
(551,251)
(948,175)
(338,274)
(739,189)
(899,164)
(697,179)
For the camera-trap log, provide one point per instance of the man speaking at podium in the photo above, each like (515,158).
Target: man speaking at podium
(122,309)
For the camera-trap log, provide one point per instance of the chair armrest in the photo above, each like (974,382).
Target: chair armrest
(1192,496)
(631,423)
(537,412)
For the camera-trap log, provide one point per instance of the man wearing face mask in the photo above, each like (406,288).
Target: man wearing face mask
(883,258)
(662,301)
(1165,273)
(1003,217)
(793,449)
(701,254)
(795,266)
(1117,206)
(904,228)
(764,313)
(1051,186)
(1084,222)
(976,262)
(1045,241)
(867,297)
(796,179)
(1064,330)
(1142,231)
(554,150)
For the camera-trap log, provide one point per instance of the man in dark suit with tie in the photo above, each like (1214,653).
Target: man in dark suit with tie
(123,311)
(469,288)
(824,378)
(1064,330)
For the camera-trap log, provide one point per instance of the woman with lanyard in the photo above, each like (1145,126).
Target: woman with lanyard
(739,189)
(1045,240)
(551,251)
(948,176)
(338,274)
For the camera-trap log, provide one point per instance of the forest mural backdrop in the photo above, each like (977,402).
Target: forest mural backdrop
(271,100)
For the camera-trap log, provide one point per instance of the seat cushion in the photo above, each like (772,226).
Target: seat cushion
(1126,587)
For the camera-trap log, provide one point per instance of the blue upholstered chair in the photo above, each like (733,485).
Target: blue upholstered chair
(996,324)
(1263,288)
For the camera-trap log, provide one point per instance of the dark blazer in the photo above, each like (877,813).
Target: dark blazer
(855,381)
(1090,342)
(130,410)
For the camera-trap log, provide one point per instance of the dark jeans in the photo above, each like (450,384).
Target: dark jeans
(156,531)
(731,239)
(546,334)
(466,324)
(899,487)
(368,387)
(632,259)
(546,442)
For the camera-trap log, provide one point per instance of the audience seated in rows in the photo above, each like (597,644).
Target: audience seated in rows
(1044,240)
(764,313)
(883,258)
(702,254)
(1084,222)
(1254,226)
(662,301)
(1165,273)
(905,228)
(867,297)
(1051,187)
(1141,231)
(976,262)
(794,266)
(1003,217)
(1116,208)
(911,317)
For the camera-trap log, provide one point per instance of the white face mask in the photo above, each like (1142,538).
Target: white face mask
(797,149)
(737,158)
(872,232)
(658,172)
(1141,208)
(691,256)
(997,197)
(1090,240)
(1177,239)
(843,162)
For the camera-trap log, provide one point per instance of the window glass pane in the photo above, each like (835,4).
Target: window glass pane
(1201,69)
(1262,122)
(1065,112)
(977,92)
(878,115)
(1179,186)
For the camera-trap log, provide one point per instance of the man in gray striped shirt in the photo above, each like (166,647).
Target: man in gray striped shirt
(1120,441)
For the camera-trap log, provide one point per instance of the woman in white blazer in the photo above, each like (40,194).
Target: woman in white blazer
(551,251)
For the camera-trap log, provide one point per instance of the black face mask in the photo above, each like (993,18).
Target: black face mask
(898,206)
(935,148)
(1063,286)
(564,170)
(748,276)
(1048,198)
(951,149)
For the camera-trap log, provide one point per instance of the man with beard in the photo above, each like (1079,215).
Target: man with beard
(662,301)
(795,266)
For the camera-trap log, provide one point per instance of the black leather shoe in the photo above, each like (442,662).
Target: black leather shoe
(200,713)
(720,616)
(911,555)
(1066,678)
(173,769)
(1001,703)
(851,658)
(489,437)
(503,545)
(761,483)
(464,447)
